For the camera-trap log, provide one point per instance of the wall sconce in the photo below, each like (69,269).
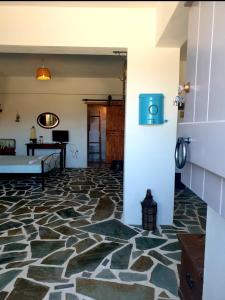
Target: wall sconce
(182,90)
(17,117)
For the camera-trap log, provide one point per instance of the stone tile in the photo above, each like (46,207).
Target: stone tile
(66,230)
(163,295)
(86,274)
(144,243)
(19,264)
(55,296)
(89,260)
(25,289)
(15,247)
(111,228)
(12,256)
(84,244)
(10,239)
(137,253)
(120,259)
(104,209)
(47,233)
(160,257)
(64,286)
(3,295)
(71,297)
(17,231)
(40,249)
(106,274)
(98,289)
(78,223)
(174,255)
(9,225)
(58,258)
(171,247)
(132,277)
(142,264)
(68,213)
(45,274)
(7,277)
(30,228)
(164,278)
(71,241)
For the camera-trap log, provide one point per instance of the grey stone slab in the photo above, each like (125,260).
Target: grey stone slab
(90,259)
(106,274)
(12,256)
(25,289)
(71,241)
(68,213)
(47,233)
(132,277)
(104,209)
(144,243)
(11,239)
(113,228)
(142,264)
(15,247)
(45,274)
(195,229)
(66,230)
(120,259)
(174,255)
(78,223)
(30,228)
(19,264)
(64,286)
(86,274)
(99,289)
(55,296)
(17,231)
(9,225)
(58,258)
(3,295)
(164,278)
(137,253)
(42,248)
(70,296)
(160,257)
(84,244)
(171,247)
(7,277)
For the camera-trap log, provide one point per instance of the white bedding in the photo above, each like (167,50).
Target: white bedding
(20,164)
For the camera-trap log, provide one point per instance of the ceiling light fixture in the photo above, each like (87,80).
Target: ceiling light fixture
(43,73)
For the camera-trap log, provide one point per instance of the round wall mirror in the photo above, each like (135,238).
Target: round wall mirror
(48,120)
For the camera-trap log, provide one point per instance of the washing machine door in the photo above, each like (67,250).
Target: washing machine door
(181,152)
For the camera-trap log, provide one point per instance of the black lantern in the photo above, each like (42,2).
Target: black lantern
(149,212)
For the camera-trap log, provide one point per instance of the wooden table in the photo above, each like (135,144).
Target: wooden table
(61,146)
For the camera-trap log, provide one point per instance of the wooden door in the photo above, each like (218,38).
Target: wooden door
(114,133)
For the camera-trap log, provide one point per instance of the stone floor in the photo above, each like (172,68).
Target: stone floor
(68,242)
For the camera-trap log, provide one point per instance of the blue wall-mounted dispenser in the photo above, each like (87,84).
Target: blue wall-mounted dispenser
(151,109)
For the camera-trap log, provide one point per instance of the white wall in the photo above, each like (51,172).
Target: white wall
(149,150)
(214,280)
(62,96)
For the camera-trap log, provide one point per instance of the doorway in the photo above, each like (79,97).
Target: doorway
(105,136)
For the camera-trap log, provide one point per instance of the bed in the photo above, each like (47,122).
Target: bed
(12,165)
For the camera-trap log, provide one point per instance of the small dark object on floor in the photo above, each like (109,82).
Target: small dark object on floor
(178,184)
(117,165)
(149,212)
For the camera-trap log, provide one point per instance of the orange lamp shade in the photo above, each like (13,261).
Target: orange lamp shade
(43,74)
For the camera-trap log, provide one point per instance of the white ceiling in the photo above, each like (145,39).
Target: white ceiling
(62,65)
(110,4)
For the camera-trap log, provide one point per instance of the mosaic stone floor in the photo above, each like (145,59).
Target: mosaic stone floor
(68,242)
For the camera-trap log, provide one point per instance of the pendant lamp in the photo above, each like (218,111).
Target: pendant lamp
(43,73)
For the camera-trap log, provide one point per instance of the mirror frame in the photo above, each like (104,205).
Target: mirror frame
(47,127)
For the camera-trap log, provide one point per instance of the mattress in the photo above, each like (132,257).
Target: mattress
(21,164)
